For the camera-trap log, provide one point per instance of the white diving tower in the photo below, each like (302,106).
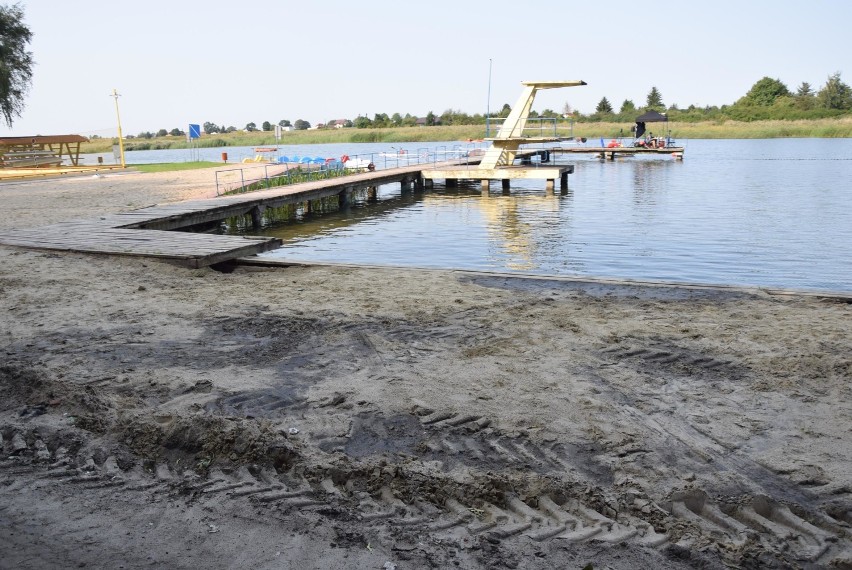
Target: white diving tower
(498,161)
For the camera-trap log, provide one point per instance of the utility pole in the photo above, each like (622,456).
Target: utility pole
(115,95)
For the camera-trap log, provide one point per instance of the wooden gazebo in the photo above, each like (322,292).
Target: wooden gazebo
(39,151)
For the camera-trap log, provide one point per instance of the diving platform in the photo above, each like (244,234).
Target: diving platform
(503,173)
(498,162)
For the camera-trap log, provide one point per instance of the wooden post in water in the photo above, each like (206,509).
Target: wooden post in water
(506,184)
(372,193)
(257,216)
(308,207)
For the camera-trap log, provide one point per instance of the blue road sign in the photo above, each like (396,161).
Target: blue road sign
(194,131)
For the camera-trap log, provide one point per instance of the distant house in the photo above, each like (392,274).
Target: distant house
(288,128)
(339,123)
(421,122)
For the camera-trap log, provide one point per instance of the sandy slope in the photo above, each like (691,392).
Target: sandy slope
(323,417)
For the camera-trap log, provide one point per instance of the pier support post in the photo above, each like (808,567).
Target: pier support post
(372,193)
(308,208)
(418,183)
(506,184)
(257,216)
(486,185)
(451,182)
(551,184)
(343,198)
(428,183)
(563,182)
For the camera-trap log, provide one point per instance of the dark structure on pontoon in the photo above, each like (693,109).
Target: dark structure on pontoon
(648,117)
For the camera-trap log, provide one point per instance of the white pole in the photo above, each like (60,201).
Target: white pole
(120,137)
(488,104)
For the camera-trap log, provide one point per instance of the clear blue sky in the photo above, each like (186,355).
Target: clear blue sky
(190,61)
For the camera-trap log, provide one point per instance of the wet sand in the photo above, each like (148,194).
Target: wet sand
(339,417)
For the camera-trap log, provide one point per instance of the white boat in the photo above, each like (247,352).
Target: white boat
(358,164)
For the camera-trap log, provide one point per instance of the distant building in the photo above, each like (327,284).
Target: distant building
(339,123)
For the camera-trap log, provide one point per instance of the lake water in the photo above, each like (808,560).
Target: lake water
(743,212)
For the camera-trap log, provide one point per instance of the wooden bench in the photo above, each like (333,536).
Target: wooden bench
(31,159)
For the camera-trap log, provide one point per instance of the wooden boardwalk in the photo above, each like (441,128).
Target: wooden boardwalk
(611,152)
(95,236)
(146,232)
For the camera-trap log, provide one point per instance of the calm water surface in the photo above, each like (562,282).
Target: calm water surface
(766,212)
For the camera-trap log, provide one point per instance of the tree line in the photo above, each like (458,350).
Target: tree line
(767,99)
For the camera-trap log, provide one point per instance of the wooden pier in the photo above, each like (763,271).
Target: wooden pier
(149,232)
(611,152)
(505,174)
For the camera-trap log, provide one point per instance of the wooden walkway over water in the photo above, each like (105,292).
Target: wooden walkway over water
(611,152)
(149,232)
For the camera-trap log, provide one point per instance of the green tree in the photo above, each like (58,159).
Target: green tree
(162,132)
(251,127)
(362,122)
(301,125)
(211,128)
(266,126)
(396,120)
(285,123)
(604,106)
(430,118)
(765,92)
(805,90)
(504,111)
(627,107)
(835,94)
(176,132)
(16,62)
(805,97)
(655,100)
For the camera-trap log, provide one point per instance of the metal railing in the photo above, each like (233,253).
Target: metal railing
(534,127)
(291,169)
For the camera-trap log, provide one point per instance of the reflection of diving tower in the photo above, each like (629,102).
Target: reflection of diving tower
(498,161)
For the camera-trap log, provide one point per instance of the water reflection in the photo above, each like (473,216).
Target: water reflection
(510,222)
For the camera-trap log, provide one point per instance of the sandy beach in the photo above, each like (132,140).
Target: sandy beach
(345,417)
